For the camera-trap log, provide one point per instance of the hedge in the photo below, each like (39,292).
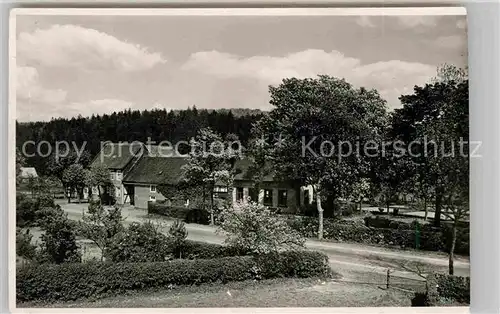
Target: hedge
(189,215)
(402,236)
(444,290)
(201,250)
(50,282)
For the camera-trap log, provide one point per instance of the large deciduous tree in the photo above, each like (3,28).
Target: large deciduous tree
(211,161)
(315,126)
(435,119)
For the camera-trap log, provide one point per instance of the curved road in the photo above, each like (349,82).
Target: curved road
(343,257)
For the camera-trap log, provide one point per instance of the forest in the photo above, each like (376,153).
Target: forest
(133,125)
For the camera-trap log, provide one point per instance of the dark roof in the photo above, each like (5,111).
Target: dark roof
(243,171)
(162,151)
(117,155)
(156,170)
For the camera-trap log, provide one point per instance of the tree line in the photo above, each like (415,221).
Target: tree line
(131,125)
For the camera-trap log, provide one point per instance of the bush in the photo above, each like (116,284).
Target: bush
(100,225)
(140,243)
(73,281)
(349,209)
(444,290)
(24,248)
(28,209)
(454,287)
(252,227)
(178,233)
(59,239)
(189,215)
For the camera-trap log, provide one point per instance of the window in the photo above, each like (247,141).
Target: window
(220,189)
(152,198)
(268,197)
(282,198)
(239,194)
(152,188)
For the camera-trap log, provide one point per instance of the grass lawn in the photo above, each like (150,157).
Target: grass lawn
(311,292)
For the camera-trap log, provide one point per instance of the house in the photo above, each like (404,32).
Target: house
(272,192)
(28,172)
(150,173)
(119,159)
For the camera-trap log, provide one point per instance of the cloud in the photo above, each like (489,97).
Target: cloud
(390,78)
(451,42)
(71,46)
(28,87)
(33,100)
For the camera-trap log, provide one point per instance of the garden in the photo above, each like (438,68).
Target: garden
(140,257)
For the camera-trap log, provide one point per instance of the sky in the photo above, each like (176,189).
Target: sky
(84,65)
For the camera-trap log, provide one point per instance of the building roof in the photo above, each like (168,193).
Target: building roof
(28,172)
(117,155)
(155,170)
(243,171)
(162,151)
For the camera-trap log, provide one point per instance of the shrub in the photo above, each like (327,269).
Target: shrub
(25,210)
(179,234)
(140,243)
(59,240)
(251,226)
(100,225)
(24,248)
(454,287)
(444,290)
(74,281)
(349,209)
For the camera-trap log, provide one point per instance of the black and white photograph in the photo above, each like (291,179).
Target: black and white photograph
(240,158)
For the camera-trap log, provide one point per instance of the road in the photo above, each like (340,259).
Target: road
(344,258)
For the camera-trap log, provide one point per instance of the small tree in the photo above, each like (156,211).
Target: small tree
(360,191)
(179,234)
(74,179)
(59,240)
(100,225)
(100,179)
(253,227)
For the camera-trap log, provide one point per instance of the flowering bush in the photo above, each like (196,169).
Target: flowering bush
(251,226)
